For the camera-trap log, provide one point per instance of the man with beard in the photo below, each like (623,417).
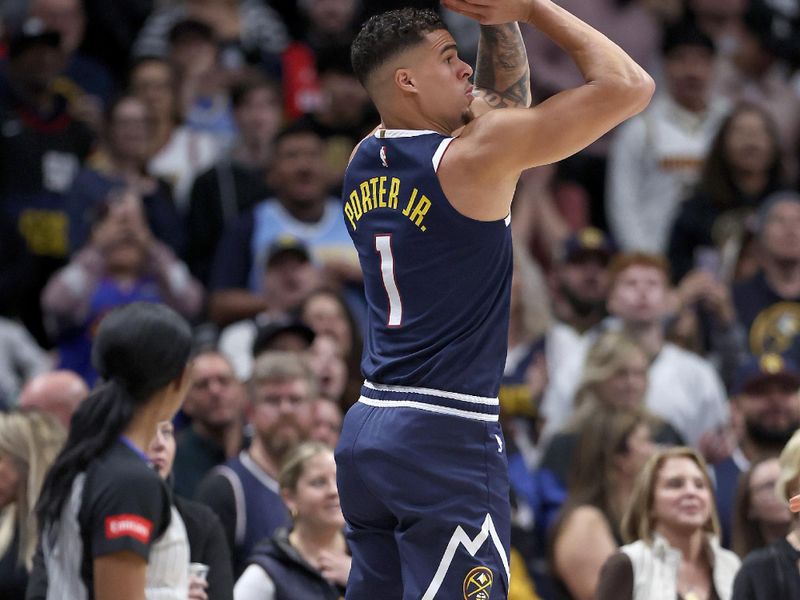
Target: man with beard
(214,404)
(244,492)
(579,284)
(766,412)
(684,389)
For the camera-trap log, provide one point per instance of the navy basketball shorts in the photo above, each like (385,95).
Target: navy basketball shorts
(423,484)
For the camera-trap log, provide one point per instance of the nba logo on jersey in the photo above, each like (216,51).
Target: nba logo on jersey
(383,157)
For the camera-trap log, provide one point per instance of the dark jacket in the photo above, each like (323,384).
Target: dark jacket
(207,545)
(293,577)
(769,574)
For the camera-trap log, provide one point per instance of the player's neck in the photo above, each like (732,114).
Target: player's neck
(414,122)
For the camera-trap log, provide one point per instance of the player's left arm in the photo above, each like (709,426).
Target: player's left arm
(502,75)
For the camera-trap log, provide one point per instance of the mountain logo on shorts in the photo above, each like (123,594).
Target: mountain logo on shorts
(478,584)
(475,587)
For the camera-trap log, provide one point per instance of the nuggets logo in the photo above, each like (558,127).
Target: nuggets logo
(775,329)
(478,584)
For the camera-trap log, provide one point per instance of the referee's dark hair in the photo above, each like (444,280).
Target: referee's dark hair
(139,349)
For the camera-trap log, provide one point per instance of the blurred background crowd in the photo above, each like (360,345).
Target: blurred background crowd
(191,152)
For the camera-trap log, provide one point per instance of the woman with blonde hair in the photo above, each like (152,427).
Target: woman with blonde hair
(671,529)
(29,442)
(772,572)
(312,560)
(609,456)
(614,376)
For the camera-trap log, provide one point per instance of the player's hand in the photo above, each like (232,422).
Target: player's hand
(794,504)
(493,12)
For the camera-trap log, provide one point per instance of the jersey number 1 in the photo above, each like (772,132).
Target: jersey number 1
(383,244)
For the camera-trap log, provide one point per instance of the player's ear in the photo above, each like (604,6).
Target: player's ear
(404,79)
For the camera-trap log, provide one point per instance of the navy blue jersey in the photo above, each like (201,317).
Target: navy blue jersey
(437,282)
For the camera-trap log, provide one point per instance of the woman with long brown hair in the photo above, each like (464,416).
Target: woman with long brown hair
(611,451)
(743,166)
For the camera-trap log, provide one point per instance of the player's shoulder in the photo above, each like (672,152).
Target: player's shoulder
(119,464)
(360,143)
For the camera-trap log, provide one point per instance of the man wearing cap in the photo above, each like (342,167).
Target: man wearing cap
(289,279)
(41,150)
(579,286)
(768,304)
(656,156)
(683,388)
(766,412)
(302,209)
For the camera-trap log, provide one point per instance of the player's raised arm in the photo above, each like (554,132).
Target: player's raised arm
(505,142)
(502,76)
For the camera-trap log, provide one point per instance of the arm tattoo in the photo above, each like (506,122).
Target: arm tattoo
(502,72)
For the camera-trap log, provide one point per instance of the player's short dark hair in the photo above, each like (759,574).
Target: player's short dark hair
(387,34)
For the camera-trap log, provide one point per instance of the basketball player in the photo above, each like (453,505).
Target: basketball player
(421,463)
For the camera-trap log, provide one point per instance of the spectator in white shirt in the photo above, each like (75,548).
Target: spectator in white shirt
(683,388)
(656,156)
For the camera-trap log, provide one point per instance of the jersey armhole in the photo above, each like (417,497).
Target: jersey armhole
(439,154)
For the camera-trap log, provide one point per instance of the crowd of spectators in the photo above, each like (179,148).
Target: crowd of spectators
(191,152)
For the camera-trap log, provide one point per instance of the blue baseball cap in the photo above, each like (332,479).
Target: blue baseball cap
(588,241)
(766,368)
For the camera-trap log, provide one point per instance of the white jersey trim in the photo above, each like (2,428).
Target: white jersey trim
(401,133)
(435,408)
(380,387)
(437,156)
